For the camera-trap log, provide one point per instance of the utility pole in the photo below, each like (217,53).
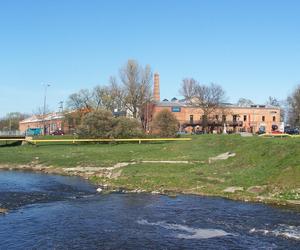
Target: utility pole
(61,106)
(46,85)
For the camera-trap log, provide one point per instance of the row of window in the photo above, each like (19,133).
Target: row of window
(234,118)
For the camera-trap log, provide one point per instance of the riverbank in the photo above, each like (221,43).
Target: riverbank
(254,169)
(65,212)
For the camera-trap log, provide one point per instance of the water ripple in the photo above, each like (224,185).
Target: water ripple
(191,233)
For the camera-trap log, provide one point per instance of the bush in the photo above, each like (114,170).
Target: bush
(127,128)
(101,124)
(166,124)
(97,124)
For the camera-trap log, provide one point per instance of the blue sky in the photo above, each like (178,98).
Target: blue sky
(251,48)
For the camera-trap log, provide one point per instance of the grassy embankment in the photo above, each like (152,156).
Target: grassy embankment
(272,165)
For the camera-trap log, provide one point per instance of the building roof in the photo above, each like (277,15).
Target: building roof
(183,103)
(39,118)
(170,104)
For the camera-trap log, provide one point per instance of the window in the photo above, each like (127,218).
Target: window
(217,117)
(245,118)
(274,118)
(234,117)
(176,109)
(263,118)
(191,119)
(224,118)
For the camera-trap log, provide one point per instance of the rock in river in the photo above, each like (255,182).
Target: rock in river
(3,210)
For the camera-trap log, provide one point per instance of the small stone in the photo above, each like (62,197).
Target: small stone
(255,189)
(224,156)
(233,189)
(155,192)
(99,190)
(294,202)
(3,210)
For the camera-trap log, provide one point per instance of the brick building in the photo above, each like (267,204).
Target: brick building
(234,118)
(48,123)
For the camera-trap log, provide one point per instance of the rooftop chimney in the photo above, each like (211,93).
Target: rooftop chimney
(156,91)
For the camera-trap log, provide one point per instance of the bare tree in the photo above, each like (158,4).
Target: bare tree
(273,101)
(208,98)
(80,100)
(102,98)
(243,102)
(293,102)
(109,97)
(137,83)
(117,93)
(11,121)
(40,111)
(188,88)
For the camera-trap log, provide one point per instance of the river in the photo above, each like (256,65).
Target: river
(58,212)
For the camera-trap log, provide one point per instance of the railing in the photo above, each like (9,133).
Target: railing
(278,135)
(10,133)
(139,140)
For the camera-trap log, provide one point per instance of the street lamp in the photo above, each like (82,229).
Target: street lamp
(46,85)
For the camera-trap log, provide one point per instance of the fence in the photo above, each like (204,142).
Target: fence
(29,140)
(10,133)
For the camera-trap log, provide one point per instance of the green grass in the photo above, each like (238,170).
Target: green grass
(273,163)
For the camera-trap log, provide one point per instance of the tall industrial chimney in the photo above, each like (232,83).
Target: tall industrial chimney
(156,90)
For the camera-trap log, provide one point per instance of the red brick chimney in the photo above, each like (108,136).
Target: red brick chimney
(156,89)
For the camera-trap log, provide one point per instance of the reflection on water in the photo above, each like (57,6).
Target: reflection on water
(55,212)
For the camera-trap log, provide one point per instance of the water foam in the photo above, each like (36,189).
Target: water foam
(286,231)
(191,233)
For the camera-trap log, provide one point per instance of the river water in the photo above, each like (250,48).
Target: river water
(56,212)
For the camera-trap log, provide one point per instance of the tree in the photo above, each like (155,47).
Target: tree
(80,100)
(273,102)
(166,124)
(208,98)
(243,102)
(97,124)
(102,98)
(293,102)
(11,121)
(137,82)
(109,97)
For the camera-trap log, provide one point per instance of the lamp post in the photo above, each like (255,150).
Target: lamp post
(46,85)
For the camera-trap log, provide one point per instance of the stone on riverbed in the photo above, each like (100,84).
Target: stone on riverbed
(233,189)
(3,210)
(255,189)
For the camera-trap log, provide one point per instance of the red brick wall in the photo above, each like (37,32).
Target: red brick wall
(253,116)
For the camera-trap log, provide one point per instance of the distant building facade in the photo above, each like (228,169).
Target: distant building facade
(48,123)
(230,117)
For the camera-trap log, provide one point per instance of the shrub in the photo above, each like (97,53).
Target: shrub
(166,124)
(101,124)
(97,124)
(127,128)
